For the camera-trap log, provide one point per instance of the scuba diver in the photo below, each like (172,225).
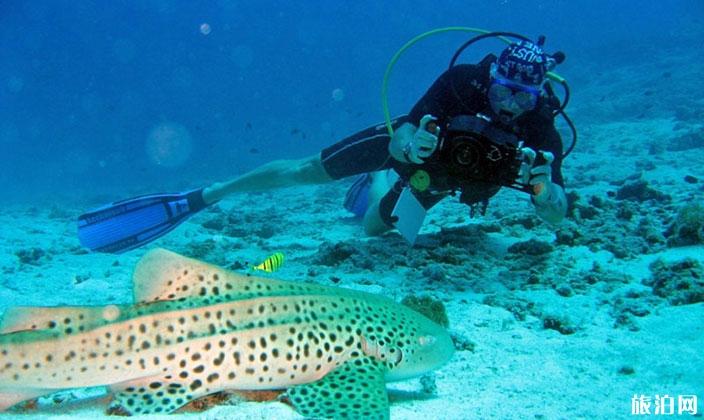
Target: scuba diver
(478,128)
(498,96)
(506,92)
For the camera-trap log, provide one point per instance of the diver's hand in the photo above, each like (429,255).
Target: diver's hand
(535,171)
(548,198)
(541,175)
(424,142)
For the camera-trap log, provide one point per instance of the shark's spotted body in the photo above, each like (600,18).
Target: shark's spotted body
(198,329)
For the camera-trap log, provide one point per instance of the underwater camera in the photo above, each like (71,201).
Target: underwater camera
(472,149)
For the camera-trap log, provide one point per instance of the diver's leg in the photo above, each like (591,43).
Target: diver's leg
(275,174)
(364,151)
(373,225)
(382,181)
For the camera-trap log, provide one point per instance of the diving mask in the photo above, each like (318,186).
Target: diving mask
(509,97)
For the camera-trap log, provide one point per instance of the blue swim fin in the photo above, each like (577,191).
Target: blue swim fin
(128,224)
(357,197)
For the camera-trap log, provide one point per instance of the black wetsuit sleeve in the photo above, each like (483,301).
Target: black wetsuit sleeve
(541,134)
(554,142)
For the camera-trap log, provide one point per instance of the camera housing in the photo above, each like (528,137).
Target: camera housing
(472,149)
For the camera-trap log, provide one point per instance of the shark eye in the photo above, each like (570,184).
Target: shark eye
(396,355)
(426,340)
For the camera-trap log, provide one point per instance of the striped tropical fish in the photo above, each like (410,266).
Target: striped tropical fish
(271,264)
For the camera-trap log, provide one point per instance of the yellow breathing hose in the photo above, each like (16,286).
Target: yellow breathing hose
(555,77)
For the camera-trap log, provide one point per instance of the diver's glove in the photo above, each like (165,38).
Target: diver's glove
(424,142)
(541,175)
(548,198)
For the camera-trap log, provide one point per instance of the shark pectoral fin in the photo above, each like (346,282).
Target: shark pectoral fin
(151,395)
(354,390)
(9,399)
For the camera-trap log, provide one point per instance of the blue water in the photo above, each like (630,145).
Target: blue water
(85,85)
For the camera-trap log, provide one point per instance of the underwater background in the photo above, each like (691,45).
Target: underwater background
(104,100)
(85,84)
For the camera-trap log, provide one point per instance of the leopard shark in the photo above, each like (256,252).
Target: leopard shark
(195,329)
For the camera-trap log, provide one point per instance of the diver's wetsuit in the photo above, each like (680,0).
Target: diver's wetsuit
(363,152)
(462,90)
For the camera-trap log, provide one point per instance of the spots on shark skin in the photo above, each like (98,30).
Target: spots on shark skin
(378,349)
(312,351)
(256,334)
(354,390)
(160,396)
(139,345)
(201,376)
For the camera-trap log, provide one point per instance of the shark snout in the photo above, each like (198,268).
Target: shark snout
(429,349)
(437,348)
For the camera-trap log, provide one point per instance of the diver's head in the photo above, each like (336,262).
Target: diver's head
(517,78)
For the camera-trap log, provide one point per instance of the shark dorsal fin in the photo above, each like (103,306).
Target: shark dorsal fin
(164,275)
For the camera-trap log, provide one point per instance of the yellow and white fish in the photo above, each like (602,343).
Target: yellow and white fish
(196,329)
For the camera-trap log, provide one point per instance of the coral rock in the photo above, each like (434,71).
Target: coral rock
(681,282)
(532,247)
(688,227)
